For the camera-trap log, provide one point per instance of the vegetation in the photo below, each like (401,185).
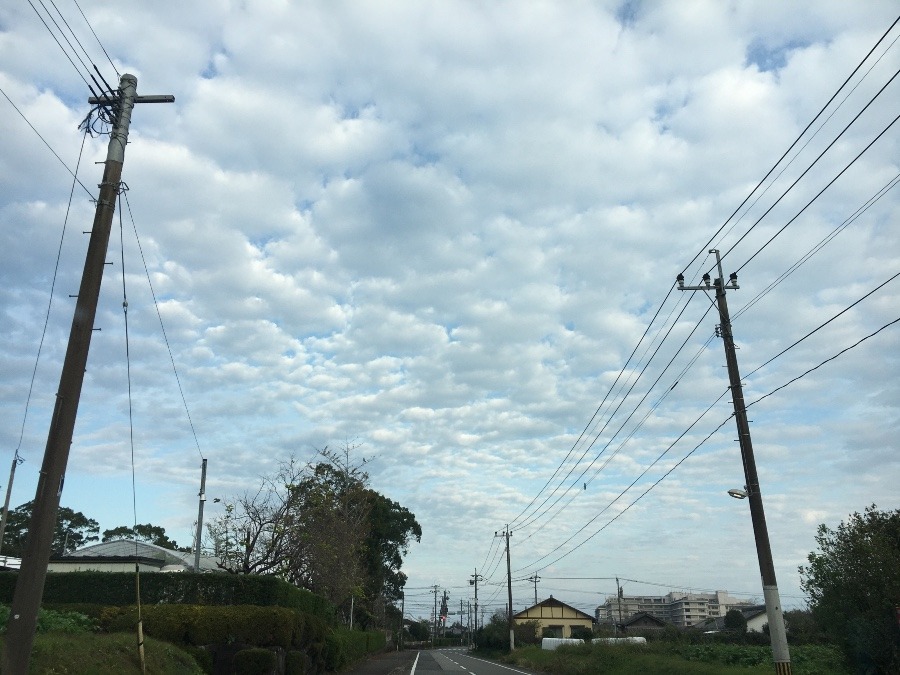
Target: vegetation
(853,582)
(152,534)
(73,530)
(321,527)
(675,658)
(97,654)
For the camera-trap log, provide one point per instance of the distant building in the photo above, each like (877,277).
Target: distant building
(555,618)
(643,622)
(755,615)
(122,554)
(678,609)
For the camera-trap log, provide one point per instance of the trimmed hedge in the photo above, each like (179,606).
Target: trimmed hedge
(197,626)
(344,646)
(187,588)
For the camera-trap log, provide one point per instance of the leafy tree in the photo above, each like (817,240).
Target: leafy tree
(736,622)
(802,628)
(853,583)
(321,526)
(73,530)
(152,534)
(419,630)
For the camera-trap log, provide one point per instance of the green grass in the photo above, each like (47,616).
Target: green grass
(111,654)
(669,658)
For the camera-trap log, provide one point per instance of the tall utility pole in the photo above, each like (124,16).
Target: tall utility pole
(535,578)
(780,652)
(474,579)
(12,476)
(30,581)
(509,611)
(200,519)
(402,620)
(434,589)
(619,603)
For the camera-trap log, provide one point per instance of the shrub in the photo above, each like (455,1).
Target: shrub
(295,663)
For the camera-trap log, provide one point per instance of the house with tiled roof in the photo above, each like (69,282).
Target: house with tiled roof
(555,618)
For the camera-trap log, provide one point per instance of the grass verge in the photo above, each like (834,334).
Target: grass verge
(675,659)
(105,654)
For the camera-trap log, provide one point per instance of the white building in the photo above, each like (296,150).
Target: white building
(679,609)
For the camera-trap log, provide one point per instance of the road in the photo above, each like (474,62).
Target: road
(453,660)
(457,660)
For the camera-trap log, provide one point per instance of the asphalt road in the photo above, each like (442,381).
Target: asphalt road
(454,660)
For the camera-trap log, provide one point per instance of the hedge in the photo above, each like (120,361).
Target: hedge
(344,646)
(117,588)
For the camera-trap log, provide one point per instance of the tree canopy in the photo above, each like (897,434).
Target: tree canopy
(152,534)
(853,584)
(73,530)
(320,526)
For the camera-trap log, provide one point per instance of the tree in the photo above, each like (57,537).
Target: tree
(153,534)
(73,530)
(320,526)
(736,622)
(853,584)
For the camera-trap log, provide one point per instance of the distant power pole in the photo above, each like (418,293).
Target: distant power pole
(535,579)
(474,579)
(777,632)
(509,611)
(434,589)
(30,581)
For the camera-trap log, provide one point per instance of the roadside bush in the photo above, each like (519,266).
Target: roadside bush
(295,663)
(118,588)
(255,661)
(344,646)
(49,620)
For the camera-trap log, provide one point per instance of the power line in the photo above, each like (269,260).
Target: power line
(118,74)
(163,328)
(49,147)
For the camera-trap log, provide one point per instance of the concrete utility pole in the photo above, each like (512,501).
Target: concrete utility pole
(509,610)
(777,632)
(30,581)
(535,578)
(12,476)
(402,622)
(200,517)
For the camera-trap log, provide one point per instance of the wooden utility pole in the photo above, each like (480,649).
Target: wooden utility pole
(778,635)
(30,581)
(506,534)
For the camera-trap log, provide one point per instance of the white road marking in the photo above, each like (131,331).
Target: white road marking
(413,671)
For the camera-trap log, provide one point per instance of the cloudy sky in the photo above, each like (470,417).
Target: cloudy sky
(448,233)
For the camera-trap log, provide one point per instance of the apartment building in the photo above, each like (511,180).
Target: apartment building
(677,608)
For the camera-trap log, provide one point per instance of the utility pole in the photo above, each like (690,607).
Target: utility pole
(619,603)
(509,611)
(30,581)
(474,579)
(402,618)
(200,517)
(778,636)
(434,589)
(12,475)
(535,578)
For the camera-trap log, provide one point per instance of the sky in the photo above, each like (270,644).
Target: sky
(446,234)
